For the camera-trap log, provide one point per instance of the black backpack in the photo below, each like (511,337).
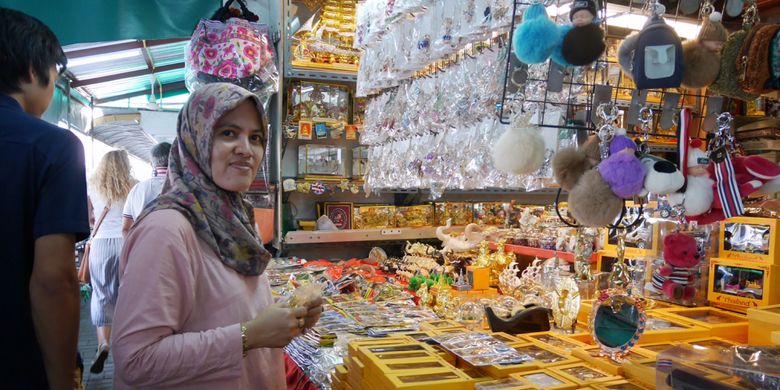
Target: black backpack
(658,58)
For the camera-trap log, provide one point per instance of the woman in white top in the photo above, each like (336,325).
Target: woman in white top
(108,188)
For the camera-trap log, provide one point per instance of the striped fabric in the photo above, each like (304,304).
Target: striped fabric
(679,276)
(728,192)
(104,271)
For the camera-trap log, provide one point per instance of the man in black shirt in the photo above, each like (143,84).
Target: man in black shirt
(43,212)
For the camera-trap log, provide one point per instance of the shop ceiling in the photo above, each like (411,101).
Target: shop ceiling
(103,72)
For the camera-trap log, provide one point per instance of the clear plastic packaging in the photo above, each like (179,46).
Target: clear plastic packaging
(480,349)
(699,367)
(236,51)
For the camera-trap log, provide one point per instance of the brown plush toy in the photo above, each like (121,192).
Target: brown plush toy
(570,164)
(573,170)
(701,57)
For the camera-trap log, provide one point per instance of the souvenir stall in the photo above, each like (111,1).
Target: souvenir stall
(517,194)
(533,195)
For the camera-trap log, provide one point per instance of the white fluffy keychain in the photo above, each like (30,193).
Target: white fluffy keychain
(520,150)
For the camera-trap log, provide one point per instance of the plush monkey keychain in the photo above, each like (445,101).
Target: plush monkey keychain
(701,56)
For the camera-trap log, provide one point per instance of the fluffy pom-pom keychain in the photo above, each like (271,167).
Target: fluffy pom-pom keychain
(701,57)
(583,43)
(519,150)
(536,37)
(626,53)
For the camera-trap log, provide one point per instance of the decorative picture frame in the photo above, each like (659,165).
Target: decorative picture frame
(340,213)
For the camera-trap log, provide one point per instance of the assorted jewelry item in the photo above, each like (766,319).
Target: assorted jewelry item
(618,318)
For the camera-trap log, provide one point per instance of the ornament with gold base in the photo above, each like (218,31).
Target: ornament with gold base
(618,318)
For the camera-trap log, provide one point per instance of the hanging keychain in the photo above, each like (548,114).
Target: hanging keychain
(720,149)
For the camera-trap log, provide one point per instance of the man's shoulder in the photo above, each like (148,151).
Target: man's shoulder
(43,136)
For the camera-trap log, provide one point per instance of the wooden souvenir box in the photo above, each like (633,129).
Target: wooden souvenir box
(750,239)
(592,356)
(721,323)
(763,321)
(640,242)
(739,285)
(545,379)
(584,374)
(659,328)
(553,341)
(325,161)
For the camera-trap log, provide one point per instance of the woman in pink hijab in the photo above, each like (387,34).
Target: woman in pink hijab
(195,310)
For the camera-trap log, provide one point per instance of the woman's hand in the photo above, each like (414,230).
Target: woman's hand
(313,311)
(276,326)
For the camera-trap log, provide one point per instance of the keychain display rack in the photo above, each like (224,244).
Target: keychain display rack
(515,92)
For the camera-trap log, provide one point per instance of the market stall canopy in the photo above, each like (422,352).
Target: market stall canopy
(109,71)
(80,21)
(123,130)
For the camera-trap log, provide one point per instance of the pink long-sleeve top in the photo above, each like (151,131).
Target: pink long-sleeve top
(178,315)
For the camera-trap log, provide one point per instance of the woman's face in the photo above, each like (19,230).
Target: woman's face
(238,147)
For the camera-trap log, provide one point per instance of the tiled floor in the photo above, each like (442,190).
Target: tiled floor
(87,348)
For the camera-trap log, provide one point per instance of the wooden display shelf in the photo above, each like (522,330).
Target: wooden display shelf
(336,236)
(540,253)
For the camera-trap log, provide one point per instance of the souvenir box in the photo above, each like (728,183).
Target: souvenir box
(739,285)
(359,161)
(581,333)
(750,239)
(440,324)
(555,342)
(641,241)
(584,374)
(775,337)
(592,356)
(319,102)
(460,213)
(355,345)
(320,161)
(490,213)
(383,366)
(721,323)
(653,349)
(763,321)
(445,379)
(621,385)
(545,379)
(374,217)
(414,216)
(641,373)
(503,384)
(711,364)
(542,358)
(659,328)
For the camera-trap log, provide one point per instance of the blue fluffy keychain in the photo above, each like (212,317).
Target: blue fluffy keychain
(536,37)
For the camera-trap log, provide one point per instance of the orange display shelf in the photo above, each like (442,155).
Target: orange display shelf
(540,253)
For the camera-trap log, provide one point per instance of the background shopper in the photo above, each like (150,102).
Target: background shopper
(109,186)
(146,191)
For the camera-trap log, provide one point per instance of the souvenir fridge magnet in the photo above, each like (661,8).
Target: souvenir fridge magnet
(701,56)
(536,37)
(583,42)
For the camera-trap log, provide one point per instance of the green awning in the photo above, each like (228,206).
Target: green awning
(82,21)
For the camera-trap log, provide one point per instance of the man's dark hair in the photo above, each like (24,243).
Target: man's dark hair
(25,42)
(160,154)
